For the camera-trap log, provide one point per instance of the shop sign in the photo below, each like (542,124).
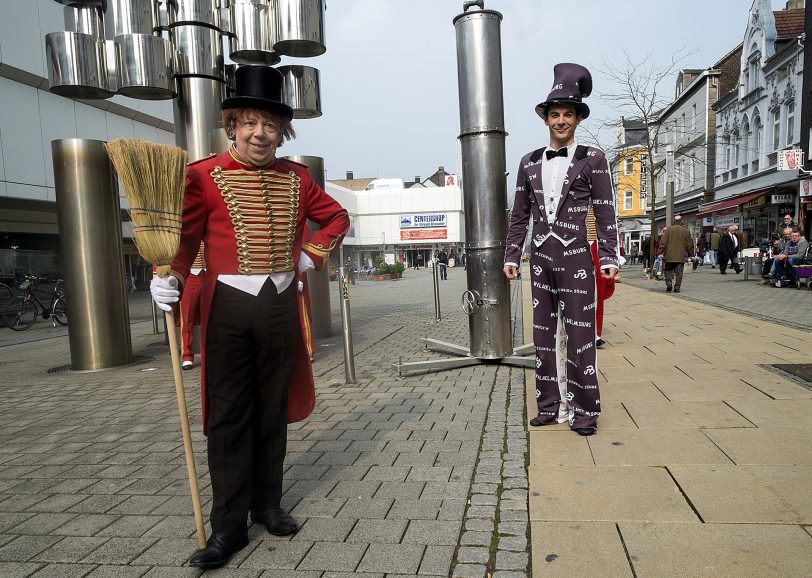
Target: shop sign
(707,222)
(419,234)
(643,177)
(759,202)
(783,198)
(805,188)
(419,221)
(728,220)
(451,180)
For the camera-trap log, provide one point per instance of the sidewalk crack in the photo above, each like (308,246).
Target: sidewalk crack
(684,495)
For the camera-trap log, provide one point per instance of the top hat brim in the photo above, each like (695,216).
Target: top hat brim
(257,102)
(581,107)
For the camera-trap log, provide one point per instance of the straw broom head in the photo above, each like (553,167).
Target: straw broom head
(153,176)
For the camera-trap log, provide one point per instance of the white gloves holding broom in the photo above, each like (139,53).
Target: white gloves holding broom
(164,291)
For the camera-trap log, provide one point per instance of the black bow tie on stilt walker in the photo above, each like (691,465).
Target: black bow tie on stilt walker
(153,176)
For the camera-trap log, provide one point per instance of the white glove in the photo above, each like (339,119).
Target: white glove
(305,262)
(164,291)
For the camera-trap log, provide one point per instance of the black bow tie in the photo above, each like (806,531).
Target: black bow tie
(562,152)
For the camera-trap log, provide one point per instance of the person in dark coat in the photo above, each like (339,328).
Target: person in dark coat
(729,247)
(675,245)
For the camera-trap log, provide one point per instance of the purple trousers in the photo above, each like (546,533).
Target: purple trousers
(563,291)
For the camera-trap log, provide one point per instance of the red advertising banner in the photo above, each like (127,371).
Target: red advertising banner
(416,234)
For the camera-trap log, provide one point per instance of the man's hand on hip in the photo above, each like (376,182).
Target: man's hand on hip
(511,271)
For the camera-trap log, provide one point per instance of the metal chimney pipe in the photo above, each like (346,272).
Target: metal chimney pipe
(482,136)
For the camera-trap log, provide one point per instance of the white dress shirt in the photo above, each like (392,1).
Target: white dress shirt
(553,174)
(252,284)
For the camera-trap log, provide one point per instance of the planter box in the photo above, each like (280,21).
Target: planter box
(396,275)
(381,277)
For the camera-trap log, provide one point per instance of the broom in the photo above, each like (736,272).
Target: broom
(153,176)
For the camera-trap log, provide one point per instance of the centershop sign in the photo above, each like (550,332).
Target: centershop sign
(432,220)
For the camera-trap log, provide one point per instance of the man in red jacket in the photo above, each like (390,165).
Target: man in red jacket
(250,210)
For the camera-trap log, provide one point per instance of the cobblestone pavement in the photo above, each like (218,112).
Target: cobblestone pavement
(423,474)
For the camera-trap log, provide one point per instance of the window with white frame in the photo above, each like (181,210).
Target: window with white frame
(777,129)
(790,122)
(628,165)
(691,173)
(736,150)
(627,200)
(747,136)
(693,117)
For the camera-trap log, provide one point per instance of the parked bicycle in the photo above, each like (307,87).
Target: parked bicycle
(21,312)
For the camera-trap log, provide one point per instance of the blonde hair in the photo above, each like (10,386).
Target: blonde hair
(231,116)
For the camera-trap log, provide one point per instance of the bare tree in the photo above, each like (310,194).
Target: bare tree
(640,92)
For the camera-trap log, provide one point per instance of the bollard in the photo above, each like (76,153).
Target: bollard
(90,244)
(436,276)
(747,268)
(346,326)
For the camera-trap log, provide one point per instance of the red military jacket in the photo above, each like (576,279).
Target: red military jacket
(235,243)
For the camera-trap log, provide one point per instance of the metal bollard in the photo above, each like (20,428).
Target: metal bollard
(436,276)
(747,268)
(346,326)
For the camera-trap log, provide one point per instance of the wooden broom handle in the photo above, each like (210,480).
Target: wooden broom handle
(184,426)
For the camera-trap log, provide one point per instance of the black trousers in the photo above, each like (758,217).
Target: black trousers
(250,346)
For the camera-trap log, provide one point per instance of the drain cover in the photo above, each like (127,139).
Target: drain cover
(801,370)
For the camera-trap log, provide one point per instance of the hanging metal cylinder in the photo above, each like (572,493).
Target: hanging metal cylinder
(145,67)
(77,65)
(482,138)
(253,32)
(87,19)
(194,12)
(300,28)
(199,51)
(130,17)
(301,91)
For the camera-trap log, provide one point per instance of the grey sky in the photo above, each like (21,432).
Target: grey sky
(389,76)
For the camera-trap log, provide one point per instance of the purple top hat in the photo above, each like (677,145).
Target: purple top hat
(571,83)
(258,86)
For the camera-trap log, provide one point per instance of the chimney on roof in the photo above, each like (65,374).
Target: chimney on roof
(349,175)
(417,180)
(441,169)
(794,4)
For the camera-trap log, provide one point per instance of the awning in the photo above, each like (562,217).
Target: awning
(730,202)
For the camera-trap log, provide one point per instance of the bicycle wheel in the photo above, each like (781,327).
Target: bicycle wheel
(20,314)
(60,311)
(5,295)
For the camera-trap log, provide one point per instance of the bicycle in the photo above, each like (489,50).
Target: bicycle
(21,312)
(6,294)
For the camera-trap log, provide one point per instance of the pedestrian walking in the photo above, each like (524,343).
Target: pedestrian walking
(442,260)
(676,245)
(713,253)
(190,308)
(729,247)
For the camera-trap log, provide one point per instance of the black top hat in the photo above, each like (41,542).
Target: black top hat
(571,83)
(258,86)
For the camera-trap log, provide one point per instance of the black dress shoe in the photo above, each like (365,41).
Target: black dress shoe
(585,431)
(599,342)
(676,289)
(219,548)
(538,422)
(276,520)
(668,289)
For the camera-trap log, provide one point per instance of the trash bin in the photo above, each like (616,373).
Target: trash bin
(752,267)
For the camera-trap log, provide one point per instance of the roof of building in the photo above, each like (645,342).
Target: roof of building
(789,23)
(352,184)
